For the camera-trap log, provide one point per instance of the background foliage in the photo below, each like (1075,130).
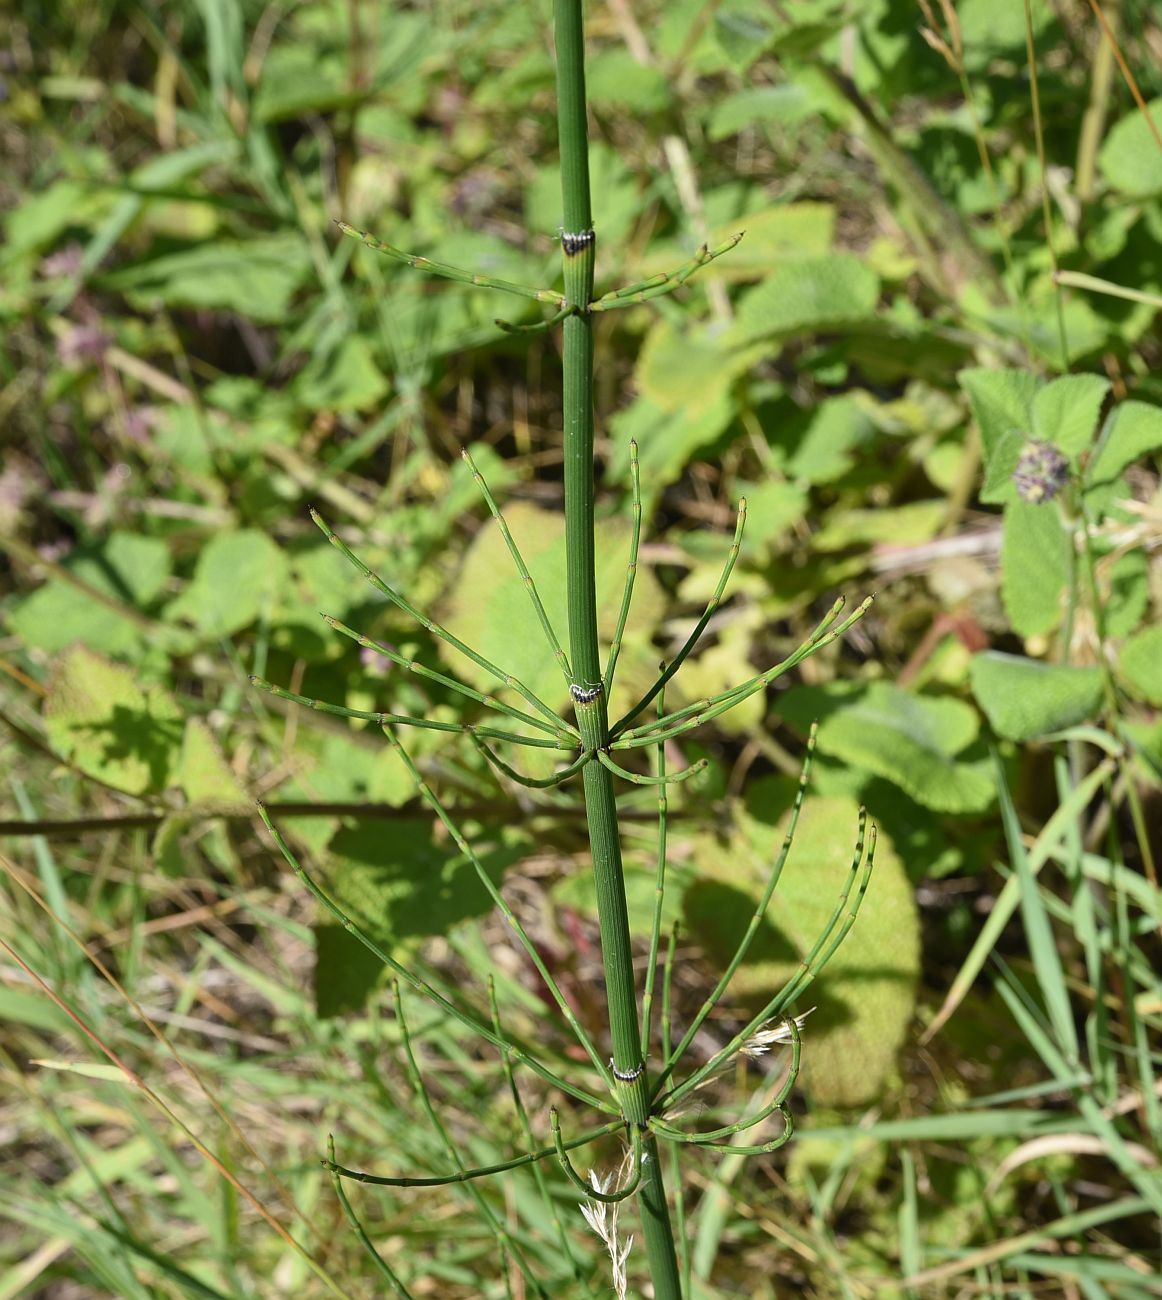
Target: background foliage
(192,356)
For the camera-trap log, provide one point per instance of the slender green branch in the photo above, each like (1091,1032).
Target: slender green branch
(484,1171)
(433,627)
(522,569)
(699,628)
(430,674)
(756,920)
(531,951)
(659,888)
(630,569)
(441,997)
(353,1219)
(532,783)
(403,720)
(657,285)
(447,272)
(639,779)
(606,1198)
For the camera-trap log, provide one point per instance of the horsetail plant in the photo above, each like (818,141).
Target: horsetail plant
(640,1099)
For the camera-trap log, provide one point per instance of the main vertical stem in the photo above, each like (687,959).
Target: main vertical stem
(578,242)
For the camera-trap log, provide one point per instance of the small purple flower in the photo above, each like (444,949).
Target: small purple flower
(1042,471)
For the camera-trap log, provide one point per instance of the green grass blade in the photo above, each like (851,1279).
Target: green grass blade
(1038,931)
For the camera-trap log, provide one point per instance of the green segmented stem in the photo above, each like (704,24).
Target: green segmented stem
(667,990)
(522,569)
(441,997)
(657,285)
(756,919)
(578,244)
(638,779)
(508,1247)
(482,1171)
(430,674)
(816,959)
(403,720)
(353,1219)
(659,886)
(544,783)
(591,1192)
(433,802)
(448,272)
(538,327)
(692,640)
(630,569)
(401,602)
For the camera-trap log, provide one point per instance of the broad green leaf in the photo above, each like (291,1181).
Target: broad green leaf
(1034,566)
(1140,664)
(817,445)
(400,886)
(347,380)
(913,741)
(689,370)
(203,774)
(1125,591)
(905,525)
(813,293)
(257,278)
(1002,402)
(1065,412)
(1130,159)
(130,569)
(103,722)
(1025,698)
(39,219)
(489,608)
(865,996)
(1132,430)
(614,78)
(238,577)
(786,103)
(667,440)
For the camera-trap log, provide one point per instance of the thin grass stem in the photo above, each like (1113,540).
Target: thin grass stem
(430,674)
(657,285)
(430,798)
(353,1219)
(522,569)
(401,602)
(630,569)
(700,627)
(756,920)
(404,720)
(448,272)
(430,990)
